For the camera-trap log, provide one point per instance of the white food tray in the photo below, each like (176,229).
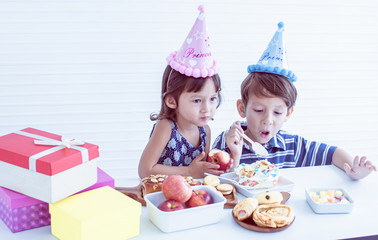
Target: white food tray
(283,185)
(185,218)
(329,207)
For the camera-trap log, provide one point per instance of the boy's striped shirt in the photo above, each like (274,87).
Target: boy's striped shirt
(285,150)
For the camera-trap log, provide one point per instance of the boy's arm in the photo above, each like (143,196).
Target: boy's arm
(220,143)
(234,142)
(356,168)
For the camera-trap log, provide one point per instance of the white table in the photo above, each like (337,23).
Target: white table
(307,225)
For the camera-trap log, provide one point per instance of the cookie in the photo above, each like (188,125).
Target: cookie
(269,197)
(211,180)
(225,188)
(273,215)
(245,208)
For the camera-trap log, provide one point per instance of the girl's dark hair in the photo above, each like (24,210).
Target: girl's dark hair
(263,84)
(178,83)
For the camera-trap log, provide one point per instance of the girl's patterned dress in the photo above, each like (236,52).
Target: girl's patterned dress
(179,152)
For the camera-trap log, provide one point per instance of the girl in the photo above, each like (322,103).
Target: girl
(181,137)
(180,140)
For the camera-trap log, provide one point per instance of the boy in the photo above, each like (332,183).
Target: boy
(268,97)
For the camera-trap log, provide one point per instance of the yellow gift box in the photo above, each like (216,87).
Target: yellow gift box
(102,213)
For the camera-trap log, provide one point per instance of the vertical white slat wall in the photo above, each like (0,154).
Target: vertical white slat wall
(92,69)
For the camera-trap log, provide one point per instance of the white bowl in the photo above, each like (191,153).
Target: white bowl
(329,207)
(283,185)
(185,218)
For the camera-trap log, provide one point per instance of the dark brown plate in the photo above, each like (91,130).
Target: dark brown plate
(133,192)
(232,199)
(251,225)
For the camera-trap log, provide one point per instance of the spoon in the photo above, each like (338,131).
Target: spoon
(257,147)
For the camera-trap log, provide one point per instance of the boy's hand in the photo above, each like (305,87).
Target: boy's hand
(360,169)
(234,141)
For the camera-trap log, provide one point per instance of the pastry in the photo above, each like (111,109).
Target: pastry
(211,180)
(245,208)
(258,175)
(192,181)
(273,215)
(225,188)
(269,197)
(153,183)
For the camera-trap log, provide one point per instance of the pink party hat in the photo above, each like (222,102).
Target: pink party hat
(195,59)
(274,58)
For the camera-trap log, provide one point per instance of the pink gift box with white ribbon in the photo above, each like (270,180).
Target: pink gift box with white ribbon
(46,166)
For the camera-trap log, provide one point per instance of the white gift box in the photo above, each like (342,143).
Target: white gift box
(43,166)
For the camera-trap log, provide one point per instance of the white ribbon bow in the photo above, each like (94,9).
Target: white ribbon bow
(65,142)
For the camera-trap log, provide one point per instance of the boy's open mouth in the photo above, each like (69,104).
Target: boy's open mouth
(264,134)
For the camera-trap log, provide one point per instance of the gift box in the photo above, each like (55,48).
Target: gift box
(103,179)
(20,212)
(46,166)
(103,213)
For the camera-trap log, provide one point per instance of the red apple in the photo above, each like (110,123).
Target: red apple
(175,187)
(170,205)
(219,157)
(199,198)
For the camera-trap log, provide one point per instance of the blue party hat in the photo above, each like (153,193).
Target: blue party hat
(274,59)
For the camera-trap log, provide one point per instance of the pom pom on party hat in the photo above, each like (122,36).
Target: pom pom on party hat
(194,58)
(274,59)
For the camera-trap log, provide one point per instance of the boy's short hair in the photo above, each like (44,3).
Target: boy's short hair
(263,84)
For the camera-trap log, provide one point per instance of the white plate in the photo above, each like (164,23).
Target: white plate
(283,185)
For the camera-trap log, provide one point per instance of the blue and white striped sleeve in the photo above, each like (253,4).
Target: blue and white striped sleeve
(312,153)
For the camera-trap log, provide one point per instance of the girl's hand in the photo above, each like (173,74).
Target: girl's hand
(234,141)
(199,167)
(232,166)
(360,169)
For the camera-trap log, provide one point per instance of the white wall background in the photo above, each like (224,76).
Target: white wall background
(92,69)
